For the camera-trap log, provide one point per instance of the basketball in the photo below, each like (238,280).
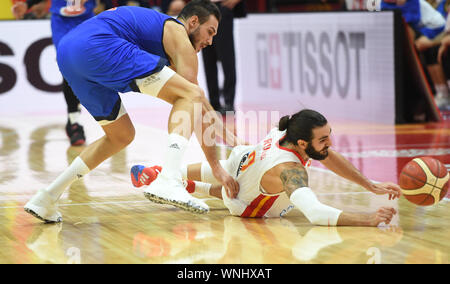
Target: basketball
(424,181)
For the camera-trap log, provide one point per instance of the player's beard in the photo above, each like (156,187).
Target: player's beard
(193,37)
(316,155)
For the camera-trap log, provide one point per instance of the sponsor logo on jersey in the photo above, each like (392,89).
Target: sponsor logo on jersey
(246,161)
(241,163)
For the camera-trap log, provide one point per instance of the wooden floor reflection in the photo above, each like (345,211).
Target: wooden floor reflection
(107,221)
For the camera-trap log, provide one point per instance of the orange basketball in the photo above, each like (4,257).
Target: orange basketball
(424,181)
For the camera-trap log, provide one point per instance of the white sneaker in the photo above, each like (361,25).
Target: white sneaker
(42,207)
(171,191)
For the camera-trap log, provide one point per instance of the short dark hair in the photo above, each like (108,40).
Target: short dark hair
(301,125)
(200,8)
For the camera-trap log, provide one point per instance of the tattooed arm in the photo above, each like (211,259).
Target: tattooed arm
(293,179)
(293,176)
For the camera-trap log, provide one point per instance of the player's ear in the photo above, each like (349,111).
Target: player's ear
(194,22)
(302,144)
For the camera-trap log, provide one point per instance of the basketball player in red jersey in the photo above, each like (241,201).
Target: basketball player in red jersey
(273,179)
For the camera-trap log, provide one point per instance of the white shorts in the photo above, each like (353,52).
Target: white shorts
(152,85)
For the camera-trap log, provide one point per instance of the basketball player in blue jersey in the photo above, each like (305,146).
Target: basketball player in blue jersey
(129,48)
(66,15)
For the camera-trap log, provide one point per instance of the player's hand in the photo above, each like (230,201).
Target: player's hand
(390,188)
(19,9)
(383,215)
(230,184)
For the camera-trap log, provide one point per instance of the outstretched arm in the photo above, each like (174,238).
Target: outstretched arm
(342,167)
(295,183)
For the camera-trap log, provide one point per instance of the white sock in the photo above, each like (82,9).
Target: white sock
(184,171)
(74,172)
(198,187)
(74,117)
(174,155)
(202,188)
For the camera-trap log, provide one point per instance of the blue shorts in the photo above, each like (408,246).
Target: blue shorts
(98,64)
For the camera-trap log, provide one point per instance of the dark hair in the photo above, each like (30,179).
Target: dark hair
(200,8)
(301,125)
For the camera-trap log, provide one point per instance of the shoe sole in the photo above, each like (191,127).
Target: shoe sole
(181,205)
(34,214)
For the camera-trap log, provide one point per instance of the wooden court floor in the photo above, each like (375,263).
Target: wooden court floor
(106,220)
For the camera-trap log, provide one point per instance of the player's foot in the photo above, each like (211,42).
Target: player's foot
(42,207)
(172,191)
(141,175)
(75,132)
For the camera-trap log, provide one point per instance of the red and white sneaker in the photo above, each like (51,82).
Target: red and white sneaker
(140,175)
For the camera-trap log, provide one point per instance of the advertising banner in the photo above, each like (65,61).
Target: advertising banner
(341,64)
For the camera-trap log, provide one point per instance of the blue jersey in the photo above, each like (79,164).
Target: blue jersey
(140,26)
(67,14)
(410,10)
(105,54)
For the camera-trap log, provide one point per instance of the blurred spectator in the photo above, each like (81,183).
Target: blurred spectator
(444,59)
(427,25)
(37,11)
(172,7)
(222,50)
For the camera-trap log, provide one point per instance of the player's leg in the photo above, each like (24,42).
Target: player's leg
(118,135)
(168,187)
(191,112)
(60,27)
(107,109)
(74,129)
(216,191)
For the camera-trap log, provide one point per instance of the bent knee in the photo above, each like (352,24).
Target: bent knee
(196,94)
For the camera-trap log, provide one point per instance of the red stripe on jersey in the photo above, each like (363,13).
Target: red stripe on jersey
(266,207)
(248,211)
